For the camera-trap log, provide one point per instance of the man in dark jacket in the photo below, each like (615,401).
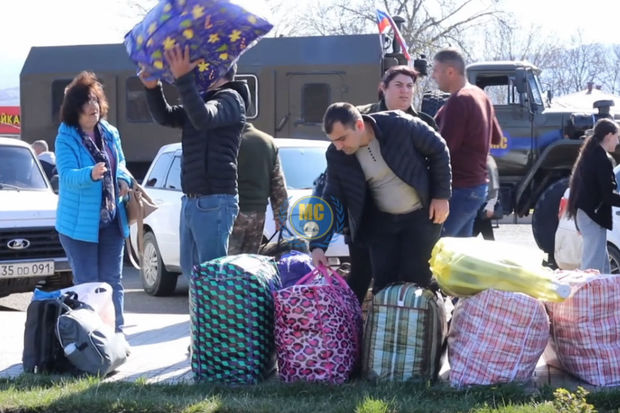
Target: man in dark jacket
(211,129)
(391,173)
(260,178)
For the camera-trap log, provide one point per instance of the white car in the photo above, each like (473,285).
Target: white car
(30,251)
(302,162)
(568,242)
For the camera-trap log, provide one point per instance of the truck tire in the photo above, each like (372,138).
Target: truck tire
(614,258)
(156,280)
(545,217)
(432,101)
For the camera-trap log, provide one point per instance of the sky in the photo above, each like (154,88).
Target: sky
(27,23)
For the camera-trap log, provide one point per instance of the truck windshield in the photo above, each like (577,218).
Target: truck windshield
(19,169)
(535,87)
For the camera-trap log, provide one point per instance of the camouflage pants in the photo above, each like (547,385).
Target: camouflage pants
(247,233)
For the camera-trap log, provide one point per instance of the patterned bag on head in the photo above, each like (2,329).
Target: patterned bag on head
(496,337)
(318,329)
(404,334)
(231,311)
(217,32)
(585,329)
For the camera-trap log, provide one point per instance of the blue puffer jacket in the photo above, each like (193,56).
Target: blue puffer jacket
(79,197)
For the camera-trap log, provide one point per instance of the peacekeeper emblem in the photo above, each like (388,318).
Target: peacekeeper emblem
(311,217)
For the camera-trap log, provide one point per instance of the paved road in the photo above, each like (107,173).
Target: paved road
(136,301)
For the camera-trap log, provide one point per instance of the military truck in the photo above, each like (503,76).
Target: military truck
(539,146)
(293,80)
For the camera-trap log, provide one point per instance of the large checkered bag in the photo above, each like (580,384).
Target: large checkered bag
(585,329)
(217,32)
(496,337)
(404,334)
(231,314)
(318,329)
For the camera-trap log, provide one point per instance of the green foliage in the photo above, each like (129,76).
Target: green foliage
(566,402)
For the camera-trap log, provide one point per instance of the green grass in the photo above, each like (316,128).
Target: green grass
(30,393)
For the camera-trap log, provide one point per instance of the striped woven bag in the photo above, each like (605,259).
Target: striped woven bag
(404,334)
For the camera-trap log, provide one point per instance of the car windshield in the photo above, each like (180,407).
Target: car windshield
(19,169)
(302,165)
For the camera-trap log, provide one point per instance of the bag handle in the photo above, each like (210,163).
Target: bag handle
(327,272)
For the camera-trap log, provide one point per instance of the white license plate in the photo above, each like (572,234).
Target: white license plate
(27,269)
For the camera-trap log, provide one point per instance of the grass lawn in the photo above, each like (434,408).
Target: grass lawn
(30,393)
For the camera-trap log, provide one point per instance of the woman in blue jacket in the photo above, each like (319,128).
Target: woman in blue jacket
(593,193)
(91,217)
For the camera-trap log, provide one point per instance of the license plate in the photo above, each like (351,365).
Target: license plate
(27,269)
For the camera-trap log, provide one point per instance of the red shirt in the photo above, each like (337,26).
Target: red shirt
(468,124)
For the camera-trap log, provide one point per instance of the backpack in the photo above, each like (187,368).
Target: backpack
(91,345)
(42,351)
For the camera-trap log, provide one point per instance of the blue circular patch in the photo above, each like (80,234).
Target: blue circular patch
(311,217)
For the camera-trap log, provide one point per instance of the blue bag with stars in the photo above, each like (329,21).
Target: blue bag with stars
(216,31)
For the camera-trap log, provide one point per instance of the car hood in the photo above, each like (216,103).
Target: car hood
(27,208)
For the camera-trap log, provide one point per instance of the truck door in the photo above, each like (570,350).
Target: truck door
(309,94)
(511,110)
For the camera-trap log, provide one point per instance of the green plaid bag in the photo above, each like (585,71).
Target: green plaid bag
(231,312)
(404,334)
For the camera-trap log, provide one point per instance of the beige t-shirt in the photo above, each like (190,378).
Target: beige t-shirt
(391,194)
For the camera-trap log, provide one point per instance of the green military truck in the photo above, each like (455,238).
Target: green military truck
(293,80)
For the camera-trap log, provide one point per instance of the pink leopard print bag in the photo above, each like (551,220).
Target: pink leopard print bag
(318,328)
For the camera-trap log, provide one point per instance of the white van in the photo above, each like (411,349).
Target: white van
(30,251)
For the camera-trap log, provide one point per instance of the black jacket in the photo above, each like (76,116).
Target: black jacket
(211,130)
(380,106)
(595,187)
(416,154)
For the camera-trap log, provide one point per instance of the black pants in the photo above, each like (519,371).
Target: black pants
(360,276)
(484,227)
(400,247)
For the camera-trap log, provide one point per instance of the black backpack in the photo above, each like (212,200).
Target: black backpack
(42,350)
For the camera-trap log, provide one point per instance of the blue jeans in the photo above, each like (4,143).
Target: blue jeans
(100,262)
(464,206)
(594,253)
(205,225)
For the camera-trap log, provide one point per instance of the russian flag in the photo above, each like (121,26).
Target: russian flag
(384,21)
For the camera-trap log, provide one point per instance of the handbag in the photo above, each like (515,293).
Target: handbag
(139,206)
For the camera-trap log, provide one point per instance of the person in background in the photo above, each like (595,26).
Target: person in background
(483,223)
(593,193)
(211,126)
(391,173)
(91,219)
(468,124)
(46,158)
(396,92)
(260,178)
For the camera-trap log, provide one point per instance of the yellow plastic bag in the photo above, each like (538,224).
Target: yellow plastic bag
(466,266)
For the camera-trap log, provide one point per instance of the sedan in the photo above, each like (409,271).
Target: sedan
(302,162)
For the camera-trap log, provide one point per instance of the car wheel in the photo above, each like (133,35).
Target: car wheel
(156,280)
(614,258)
(545,216)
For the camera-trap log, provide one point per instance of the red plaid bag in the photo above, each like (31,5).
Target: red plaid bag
(585,329)
(496,337)
(318,325)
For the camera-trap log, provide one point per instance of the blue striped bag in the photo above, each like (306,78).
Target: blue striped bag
(404,334)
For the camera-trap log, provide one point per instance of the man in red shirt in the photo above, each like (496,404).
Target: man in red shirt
(467,122)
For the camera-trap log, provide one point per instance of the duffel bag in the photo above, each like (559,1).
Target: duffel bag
(496,337)
(231,310)
(318,329)
(292,266)
(91,345)
(404,334)
(585,329)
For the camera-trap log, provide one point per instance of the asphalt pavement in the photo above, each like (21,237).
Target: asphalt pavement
(157,328)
